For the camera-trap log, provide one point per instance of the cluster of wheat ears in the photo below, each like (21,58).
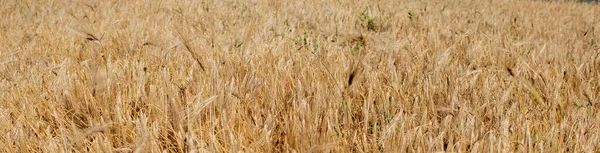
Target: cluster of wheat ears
(299,76)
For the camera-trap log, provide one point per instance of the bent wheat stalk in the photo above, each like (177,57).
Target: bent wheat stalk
(88,36)
(186,43)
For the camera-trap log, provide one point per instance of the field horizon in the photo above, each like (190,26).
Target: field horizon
(299,76)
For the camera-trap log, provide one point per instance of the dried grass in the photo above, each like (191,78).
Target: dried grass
(299,76)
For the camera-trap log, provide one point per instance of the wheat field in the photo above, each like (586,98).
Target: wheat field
(299,76)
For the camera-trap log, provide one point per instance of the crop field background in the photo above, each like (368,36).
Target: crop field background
(299,76)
